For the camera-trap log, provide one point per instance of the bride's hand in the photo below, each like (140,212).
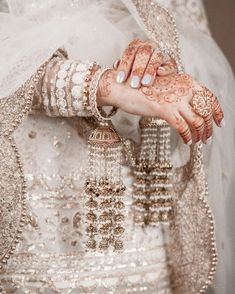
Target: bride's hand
(141,63)
(187,105)
(170,98)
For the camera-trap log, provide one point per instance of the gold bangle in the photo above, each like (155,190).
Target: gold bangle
(93,88)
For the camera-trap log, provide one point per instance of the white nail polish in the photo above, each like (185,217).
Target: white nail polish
(116,64)
(222,123)
(121,77)
(208,141)
(147,79)
(135,82)
(189,142)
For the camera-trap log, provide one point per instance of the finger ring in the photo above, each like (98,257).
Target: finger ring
(202,102)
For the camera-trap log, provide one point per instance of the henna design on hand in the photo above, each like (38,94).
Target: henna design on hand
(129,55)
(208,127)
(155,61)
(148,92)
(141,60)
(217,111)
(178,89)
(183,129)
(198,127)
(169,89)
(105,84)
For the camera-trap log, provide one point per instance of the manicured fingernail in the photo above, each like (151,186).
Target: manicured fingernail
(135,82)
(121,77)
(116,64)
(147,79)
(189,142)
(222,123)
(208,141)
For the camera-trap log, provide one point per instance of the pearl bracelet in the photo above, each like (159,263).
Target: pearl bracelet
(78,87)
(60,91)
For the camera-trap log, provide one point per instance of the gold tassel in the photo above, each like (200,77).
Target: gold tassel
(104,190)
(152,191)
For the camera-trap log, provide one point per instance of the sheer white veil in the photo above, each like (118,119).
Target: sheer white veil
(35,29)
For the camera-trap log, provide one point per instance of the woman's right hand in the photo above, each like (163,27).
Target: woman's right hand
(141,62)
(169,98)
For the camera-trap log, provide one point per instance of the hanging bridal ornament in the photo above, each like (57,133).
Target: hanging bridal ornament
(152,189)
(104,190)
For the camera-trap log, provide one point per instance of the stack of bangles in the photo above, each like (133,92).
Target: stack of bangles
(69,88)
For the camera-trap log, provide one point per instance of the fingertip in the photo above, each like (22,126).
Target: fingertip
(121,77)
(222,123)
(209,141)
(147,80)
(116,64)
(135,82)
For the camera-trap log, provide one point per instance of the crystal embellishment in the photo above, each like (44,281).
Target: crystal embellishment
(76,92)
(78,78)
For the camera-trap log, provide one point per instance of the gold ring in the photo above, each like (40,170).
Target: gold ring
(202,102)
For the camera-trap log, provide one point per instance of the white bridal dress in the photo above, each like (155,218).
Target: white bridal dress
(51,258)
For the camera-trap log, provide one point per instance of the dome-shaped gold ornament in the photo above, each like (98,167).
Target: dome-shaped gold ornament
(104,135)
(105,188)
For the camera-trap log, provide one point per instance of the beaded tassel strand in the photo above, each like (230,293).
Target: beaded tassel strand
(152,195)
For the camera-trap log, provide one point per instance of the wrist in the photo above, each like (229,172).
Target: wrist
(104,88)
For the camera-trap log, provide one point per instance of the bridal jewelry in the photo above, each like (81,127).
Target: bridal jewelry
(94,84)
(202,102)
(104,189)
(152,189)
(60,90)
(79,84)
(93,67)
(45,83)
(52,76)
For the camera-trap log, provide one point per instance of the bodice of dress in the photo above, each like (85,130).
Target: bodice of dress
(51,254)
